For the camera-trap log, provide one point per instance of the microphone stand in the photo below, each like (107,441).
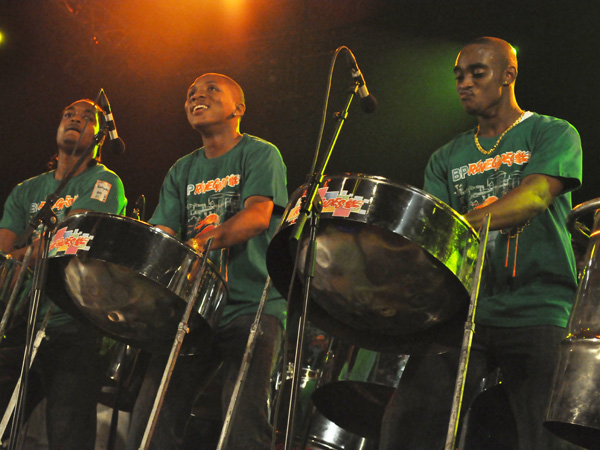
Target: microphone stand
(311,207)
(48,219)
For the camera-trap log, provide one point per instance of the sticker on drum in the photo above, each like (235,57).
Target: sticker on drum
(132,281)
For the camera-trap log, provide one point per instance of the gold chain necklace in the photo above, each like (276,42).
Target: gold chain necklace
(487,152)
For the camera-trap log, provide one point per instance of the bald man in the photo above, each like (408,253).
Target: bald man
(227,190)
(520,167)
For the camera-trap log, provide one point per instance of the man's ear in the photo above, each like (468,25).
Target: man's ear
(510,75)
(240,109)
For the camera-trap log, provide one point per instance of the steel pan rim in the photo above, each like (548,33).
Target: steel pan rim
(439,203)
(140,224)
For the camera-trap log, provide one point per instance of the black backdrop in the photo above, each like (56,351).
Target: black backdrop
(145,53)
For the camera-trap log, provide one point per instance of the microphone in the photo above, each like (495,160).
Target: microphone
(368,103)
(117,144)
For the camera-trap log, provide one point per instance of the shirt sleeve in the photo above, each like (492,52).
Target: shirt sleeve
(14,217)
(102,193)
(557,152)
(265,175)
(436,177)
(169,211)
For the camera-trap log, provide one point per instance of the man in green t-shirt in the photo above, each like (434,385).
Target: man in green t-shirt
(227,190)
(520,167)
(68,368)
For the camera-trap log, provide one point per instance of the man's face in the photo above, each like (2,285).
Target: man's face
(479,72)
(71,126)
(211,100)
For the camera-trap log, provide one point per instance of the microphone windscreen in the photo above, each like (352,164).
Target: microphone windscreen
(117,146)
(368,104)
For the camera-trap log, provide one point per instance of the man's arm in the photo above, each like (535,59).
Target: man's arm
(535,193)
(7,240)
(244,225)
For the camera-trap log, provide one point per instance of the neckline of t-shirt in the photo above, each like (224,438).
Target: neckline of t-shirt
(526,115)
(87,169)
(217,158)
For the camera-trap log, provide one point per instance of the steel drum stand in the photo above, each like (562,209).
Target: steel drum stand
(241,379)
(10,306)
(465,350)
(41,334)
(47,217)
(182,329)
(311,207)
(138,213)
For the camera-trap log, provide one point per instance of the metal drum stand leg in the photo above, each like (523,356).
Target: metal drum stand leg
(466,343)
(182,329)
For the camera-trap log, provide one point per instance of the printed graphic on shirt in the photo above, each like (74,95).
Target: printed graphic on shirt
(101,190)
(216,185)
(505,159)
(476,192)
(61,203)
(59,208)
(204,216)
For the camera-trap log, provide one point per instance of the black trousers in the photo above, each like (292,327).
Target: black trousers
(418,415)
(68,371)
(250,429)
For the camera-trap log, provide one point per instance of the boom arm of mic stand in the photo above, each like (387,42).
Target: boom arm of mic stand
(308,203)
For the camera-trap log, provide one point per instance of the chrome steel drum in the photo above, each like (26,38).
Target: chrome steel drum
(356,386)
(10,270)
(132,281)
(325,435)
(316,349)
(394,265)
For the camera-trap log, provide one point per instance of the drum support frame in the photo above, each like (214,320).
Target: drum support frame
(17,402)
(242,374)
(465,350)
(41,334)
(182,330)
(10,305)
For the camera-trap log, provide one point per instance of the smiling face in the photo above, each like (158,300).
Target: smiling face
(213,100)
(481,73)
(72,123)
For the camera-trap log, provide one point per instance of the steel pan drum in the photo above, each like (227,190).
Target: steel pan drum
(132,281)
(356,386)
(394,265)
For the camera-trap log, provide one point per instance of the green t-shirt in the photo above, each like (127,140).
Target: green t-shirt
(199,193)
(531,280)
(96,189)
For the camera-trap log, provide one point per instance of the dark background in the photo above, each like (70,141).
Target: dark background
(145,53)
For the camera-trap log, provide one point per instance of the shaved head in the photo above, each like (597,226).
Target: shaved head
(236,88)
(503,50)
